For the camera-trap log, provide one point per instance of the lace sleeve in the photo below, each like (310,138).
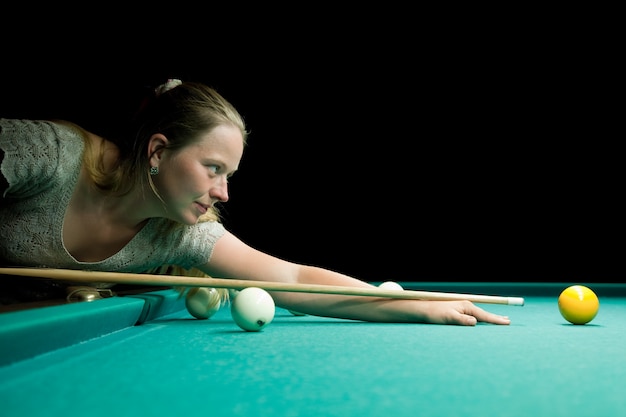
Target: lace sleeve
(32,153)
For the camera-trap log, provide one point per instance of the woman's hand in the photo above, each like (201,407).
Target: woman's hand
(462,313)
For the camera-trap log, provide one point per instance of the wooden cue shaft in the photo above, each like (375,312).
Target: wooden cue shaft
(83,276)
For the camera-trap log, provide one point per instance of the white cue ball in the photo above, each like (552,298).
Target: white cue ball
(253,309)
(202,302)
(390,285)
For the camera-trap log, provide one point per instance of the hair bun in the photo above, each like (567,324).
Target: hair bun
(167,86)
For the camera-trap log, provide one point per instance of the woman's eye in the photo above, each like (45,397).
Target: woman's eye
(214,168)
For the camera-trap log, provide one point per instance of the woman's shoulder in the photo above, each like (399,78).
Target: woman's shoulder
(38,154)
(61,133)
(36,129)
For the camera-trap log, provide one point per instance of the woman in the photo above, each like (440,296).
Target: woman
(146,201)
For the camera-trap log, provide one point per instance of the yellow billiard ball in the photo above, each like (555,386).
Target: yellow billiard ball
(578,304)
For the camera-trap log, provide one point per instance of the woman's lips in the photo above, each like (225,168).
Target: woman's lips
(202,208)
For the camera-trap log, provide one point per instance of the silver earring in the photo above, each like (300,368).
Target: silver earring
(154,170)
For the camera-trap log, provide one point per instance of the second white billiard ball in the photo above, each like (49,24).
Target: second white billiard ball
(390,285)
(202,302)
(253,309)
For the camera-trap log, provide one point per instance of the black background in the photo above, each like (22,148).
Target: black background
(453,153)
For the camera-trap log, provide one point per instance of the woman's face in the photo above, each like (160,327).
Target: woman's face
(193,178)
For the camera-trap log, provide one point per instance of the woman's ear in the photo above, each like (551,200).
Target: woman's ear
(156,146)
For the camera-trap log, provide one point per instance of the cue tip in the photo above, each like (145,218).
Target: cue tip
(516,301)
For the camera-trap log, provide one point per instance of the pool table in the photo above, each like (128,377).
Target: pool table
(145,355)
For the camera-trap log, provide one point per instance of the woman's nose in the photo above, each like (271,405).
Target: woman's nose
(219,192)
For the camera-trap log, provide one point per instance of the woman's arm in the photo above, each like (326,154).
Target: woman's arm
(234,259)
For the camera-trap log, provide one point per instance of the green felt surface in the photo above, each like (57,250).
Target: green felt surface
(172,364)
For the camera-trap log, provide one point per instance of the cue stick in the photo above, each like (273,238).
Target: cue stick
(84,276)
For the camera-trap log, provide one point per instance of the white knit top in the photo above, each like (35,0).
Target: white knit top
(42,162)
